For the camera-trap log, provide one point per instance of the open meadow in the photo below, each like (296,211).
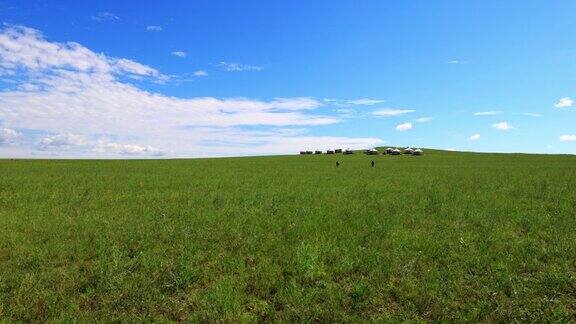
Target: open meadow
(446,236)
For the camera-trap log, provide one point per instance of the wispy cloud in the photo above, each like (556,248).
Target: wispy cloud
(423,119)
(404,127)
(364,101)
(238,67)
(154,28)
(130,149)
(84,144)
(565,102)
(532,114)
(488,113)
(179,53)
(8,136)
(504,126)
(455,62)
(391,112)
(475,137)
(79,102)
(352,102)
(200,73)
(568,138)
(105,16)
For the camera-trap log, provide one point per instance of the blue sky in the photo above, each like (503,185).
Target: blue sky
(216,78)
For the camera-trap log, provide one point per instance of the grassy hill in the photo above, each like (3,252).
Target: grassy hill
(446,236)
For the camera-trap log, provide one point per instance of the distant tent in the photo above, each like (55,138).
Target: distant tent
(302,152)
(338,151)
(388,150)
(330,152)
(371,151)
(308,152)
(408,150)
(395,152)
(317,152)
(348,151)
(418,152)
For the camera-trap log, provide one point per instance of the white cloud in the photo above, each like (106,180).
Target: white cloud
(81,98)
(487,113)
(352,102)
(365,101)
(532,114)
(475,137)
(568,138)
(24,48)
(63,141)
(404,127)
(565,102)
(179,53)
(390,112)
(200,73)
(83,144)
(454,62)
(131,149)
(237,67)
(8,136)
(105,16)
(503,126)
(154,28)
(423,119)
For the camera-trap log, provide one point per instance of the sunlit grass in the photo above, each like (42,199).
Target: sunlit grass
(445,236)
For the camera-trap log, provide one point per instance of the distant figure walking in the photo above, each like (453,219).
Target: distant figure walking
(337,164)
(373,163)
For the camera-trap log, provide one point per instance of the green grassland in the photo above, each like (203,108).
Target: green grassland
(446,236)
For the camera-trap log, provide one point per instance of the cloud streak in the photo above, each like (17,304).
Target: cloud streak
(238,67)
(154,28)
(391,112)
(487,113)
(404,127)
(179,53)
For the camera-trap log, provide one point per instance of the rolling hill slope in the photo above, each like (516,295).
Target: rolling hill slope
(447,236)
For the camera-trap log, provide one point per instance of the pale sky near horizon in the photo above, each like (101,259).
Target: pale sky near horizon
(230,78)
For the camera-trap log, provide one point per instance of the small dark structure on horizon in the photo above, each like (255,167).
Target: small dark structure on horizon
(348,151)
(338,151)
(329,152)
(317,152)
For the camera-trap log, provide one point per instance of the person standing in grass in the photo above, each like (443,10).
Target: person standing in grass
(373,163)
(337,164)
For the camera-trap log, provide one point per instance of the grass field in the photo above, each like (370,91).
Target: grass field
(443,237)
